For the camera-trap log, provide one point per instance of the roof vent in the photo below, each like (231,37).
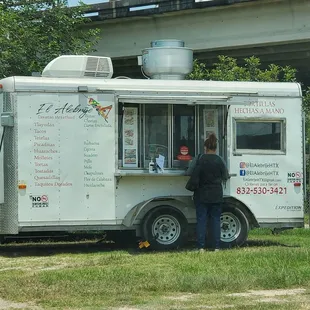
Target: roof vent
(167,60)
(79,66)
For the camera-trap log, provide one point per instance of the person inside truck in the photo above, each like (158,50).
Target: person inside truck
(208,198)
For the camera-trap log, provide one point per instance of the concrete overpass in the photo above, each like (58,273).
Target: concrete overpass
(277,31)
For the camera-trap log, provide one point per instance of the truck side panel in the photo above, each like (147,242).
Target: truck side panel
(133,190)
(266,155)
(66,159)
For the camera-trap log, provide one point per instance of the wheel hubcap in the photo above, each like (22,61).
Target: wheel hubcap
(166,229)
(230,227)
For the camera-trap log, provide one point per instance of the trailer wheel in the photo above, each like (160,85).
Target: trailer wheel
(234,227)
(164,228)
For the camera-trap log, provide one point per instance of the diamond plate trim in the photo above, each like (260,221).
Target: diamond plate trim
(9,210)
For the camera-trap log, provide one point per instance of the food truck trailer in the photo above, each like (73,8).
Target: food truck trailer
(82,151)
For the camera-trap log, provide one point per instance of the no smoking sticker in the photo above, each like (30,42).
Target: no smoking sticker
(293,177)
(39,201)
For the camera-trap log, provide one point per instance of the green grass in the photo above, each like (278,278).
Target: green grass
(173,280)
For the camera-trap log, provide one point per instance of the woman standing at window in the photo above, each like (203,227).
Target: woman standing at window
(209,195)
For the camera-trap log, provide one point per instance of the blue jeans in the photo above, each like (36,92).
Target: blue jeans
(208,214)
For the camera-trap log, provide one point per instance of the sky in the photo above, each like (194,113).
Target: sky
(75,2)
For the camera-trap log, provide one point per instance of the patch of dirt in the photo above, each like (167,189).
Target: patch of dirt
(5,305)
(183,297)
(126,308)
(216,307)
(280,296)
(56,267)
(11,268)
(63,266)
(270,293)
(252,297)
(274,300)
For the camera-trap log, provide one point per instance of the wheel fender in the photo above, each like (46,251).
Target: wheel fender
(235,203)
(134,212)
(182,204)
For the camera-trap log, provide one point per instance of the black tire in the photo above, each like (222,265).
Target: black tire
(234,227)
(165,228)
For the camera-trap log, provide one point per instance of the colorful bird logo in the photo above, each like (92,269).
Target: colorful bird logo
(103,111)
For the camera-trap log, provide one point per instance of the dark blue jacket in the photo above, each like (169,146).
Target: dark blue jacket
(212,174)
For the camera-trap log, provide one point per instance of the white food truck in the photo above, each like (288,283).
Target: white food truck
(78,149)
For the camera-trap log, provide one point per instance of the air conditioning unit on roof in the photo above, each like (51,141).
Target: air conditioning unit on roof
(79,66)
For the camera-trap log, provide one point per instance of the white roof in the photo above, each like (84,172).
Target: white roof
(16,84)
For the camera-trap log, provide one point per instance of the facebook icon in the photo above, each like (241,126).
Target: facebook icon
(242,173)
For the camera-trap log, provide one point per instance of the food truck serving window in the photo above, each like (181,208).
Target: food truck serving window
(156,132)
(169,130)
(175,131)
(252,136)
(183,118)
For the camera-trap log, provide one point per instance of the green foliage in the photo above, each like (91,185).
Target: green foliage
(35,32)
(227,69)
(306,101)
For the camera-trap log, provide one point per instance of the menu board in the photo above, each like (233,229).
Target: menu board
(66,154)
(130,137)
(210,121)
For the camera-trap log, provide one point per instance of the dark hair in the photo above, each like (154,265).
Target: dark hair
(211,142)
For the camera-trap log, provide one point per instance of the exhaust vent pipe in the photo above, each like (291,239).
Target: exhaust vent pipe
(167,60)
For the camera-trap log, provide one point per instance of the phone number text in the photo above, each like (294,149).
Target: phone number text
(261,190)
